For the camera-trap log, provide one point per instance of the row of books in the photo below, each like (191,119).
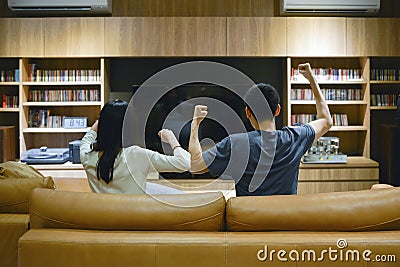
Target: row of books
(9,75)
(10,101)
(384,100)
(338,119)
(64,95)
(329,94)
(329,74)
(385,74)
(41,118)
(76,75)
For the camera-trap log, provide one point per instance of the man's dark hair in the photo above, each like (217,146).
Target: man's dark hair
(257,103)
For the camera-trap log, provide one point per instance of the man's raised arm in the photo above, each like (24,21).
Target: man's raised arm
(197,162)
(324,121)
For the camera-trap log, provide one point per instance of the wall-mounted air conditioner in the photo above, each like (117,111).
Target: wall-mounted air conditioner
(61,7)
(329,7)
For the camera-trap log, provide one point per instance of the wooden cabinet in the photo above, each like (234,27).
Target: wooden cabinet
(22,37)
(74,37)
(373,37)
(358,174)
(165,36)
(345,84)
(256,37)
(316,36)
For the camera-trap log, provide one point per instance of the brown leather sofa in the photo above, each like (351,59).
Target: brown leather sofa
(332,229)
(16,183)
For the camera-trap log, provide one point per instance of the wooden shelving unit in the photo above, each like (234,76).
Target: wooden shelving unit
(354,138)
(383,113)
(34,137)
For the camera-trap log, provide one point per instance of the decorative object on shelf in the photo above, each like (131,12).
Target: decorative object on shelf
(326,150)
(45,155)
(74,151)
(75,122)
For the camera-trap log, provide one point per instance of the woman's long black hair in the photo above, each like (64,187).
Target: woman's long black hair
(109,137)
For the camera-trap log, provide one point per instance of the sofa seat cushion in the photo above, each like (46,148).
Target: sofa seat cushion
(12,227)
(62,247)
(367,210)
(307,248)
(82,210)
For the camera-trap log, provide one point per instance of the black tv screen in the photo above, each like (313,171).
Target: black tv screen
(130,74)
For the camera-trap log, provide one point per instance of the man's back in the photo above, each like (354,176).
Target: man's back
(261,162)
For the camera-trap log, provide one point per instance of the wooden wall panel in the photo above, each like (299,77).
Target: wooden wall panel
(256,37)
(195,8)
(165,36)
(316,36)
(74,37)
(373,37)
(22,37)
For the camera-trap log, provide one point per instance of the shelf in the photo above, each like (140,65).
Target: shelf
(331,82)
(55,130)
(61,83)
(9,109)
(385,82)
(71,103)
(9,83)
(348,128)
(329,102)
(352,162)
(383,107)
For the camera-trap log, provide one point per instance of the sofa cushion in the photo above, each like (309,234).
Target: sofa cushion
(15,192)
(366,210)
(81,210)
(12,227)
(12,169)
(71,247)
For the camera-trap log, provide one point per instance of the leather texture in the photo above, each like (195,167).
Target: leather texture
(66,248)
(12,227)
(81,210)
(368,210)
(15,192)
(88,229)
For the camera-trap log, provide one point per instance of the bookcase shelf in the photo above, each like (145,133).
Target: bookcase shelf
(348,128)
(385,82)
(324,82)
(330,102)
(383,108)
(9,83)
(60,83)
(55,103)
(9,109)
(349,94)
(55,130)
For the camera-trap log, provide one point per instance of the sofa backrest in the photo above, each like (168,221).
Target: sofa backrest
(366,210)
(15,192)
(81,210)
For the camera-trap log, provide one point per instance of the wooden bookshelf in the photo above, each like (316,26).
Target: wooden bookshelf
(354,138)
(34,137)
(383,108)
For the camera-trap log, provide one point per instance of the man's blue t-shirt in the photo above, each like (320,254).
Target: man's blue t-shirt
(260,162)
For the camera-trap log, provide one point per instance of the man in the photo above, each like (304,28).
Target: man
(272,157)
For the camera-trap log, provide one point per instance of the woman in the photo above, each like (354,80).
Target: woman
(113,169)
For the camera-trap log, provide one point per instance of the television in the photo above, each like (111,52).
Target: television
(128,75)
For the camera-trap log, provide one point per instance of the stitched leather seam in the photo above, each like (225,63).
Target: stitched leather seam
(91,227)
